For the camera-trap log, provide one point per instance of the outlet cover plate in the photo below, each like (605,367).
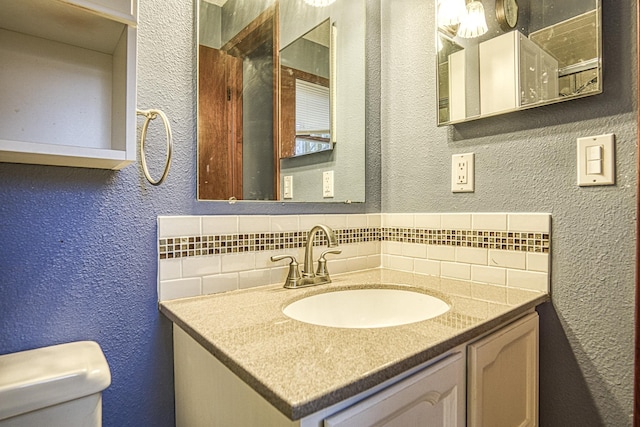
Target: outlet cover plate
(463,173)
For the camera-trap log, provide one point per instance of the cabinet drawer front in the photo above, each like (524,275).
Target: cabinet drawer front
(432,397)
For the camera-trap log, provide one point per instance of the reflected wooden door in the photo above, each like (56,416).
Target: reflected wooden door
(219,125)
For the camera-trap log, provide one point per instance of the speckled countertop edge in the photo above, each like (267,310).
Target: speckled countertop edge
(233,327)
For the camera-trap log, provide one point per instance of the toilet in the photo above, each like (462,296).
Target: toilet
(57,386)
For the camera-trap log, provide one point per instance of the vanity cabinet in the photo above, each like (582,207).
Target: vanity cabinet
(503,376)
(209,394)
(490,382)
(515,72)
(68,82)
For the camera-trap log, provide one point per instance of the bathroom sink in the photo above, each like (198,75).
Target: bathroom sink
(366,308)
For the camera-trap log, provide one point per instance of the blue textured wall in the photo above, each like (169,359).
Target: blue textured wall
(526,162)
(78,246)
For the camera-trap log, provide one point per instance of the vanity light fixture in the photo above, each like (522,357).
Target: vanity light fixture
(319,3)
(473,23)
(450,12)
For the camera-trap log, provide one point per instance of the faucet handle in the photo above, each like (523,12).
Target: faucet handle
(294,273)
(322,262)
(276,258)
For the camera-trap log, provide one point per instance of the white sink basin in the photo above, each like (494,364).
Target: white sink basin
(366,308)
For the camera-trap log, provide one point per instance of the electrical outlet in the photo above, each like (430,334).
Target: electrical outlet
(327,184)
(462,173)
(288,187)
(462,169)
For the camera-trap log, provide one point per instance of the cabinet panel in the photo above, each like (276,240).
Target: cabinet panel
(68,84)
(122,10)
(208,394)
(432,397)
(498,75)
(503,377)
(457,86)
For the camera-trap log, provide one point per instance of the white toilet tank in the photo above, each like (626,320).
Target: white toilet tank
(57,386)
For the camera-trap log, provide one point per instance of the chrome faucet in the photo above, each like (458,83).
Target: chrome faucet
(309,278)
(307,270)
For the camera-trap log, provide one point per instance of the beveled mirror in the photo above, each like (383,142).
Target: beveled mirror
(254,133)
(499,56)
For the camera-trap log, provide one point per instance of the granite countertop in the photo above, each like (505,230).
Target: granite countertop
(302,368)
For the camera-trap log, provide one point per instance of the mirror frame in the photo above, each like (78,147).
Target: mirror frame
(559,99)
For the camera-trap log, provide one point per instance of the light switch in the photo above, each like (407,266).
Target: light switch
(596,160)
(594,167)
(594,152)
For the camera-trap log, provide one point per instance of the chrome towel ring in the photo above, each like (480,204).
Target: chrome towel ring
(150,115)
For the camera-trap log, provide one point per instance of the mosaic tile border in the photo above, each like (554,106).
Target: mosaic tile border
(503,240)
(189,246)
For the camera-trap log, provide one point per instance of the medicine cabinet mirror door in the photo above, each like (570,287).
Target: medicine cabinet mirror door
(533,53)
(259,63)
(305,93)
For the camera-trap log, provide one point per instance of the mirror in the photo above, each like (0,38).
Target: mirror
(277,79)
(533,53)
(305,93)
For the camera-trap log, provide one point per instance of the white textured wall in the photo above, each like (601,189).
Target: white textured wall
(526,162)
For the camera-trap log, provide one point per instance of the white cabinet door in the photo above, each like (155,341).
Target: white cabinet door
(499,79)
(503,377)
(434,397)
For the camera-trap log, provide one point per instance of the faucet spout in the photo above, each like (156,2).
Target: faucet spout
(308,252)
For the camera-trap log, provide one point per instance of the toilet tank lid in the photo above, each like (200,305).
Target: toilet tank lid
(36,379)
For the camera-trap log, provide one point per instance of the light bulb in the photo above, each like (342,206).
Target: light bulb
(450,12)
(473,23)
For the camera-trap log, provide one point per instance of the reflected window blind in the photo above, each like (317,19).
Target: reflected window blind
(312,108)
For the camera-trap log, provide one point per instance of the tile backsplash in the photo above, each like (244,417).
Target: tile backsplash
(199,255)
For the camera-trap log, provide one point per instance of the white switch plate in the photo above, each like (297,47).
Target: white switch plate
(288,187)
(327,184)
(462,173)
(608,169)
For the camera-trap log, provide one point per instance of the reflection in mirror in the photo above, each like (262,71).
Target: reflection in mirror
(237,115)
(535,52)
(243,112)
(305,94)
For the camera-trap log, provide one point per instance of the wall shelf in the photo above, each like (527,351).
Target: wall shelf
(68,82)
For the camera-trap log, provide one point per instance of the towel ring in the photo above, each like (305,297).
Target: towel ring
(150,115)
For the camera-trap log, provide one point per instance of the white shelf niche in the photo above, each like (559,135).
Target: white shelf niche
(67,85)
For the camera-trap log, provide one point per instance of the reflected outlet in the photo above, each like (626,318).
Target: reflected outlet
(327,184)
